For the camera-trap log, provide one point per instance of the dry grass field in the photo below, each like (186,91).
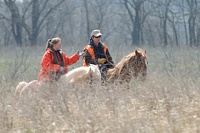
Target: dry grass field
(167,102)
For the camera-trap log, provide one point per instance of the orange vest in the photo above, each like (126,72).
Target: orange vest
(90,49)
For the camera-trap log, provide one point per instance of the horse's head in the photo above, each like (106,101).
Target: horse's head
(133,65)
(137,63)
(94,72)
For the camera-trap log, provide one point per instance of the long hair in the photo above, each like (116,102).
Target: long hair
(51,42)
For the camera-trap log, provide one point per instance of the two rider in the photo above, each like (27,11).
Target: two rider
(55,62)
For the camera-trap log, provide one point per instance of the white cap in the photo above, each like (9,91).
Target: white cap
(95,33)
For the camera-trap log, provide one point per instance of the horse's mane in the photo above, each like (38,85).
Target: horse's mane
(123,62)
(128,62)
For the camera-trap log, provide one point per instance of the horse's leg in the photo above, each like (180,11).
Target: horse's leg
(19,88)
(144,74)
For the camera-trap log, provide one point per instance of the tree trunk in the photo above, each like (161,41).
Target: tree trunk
(87,18)
(135,19)
(191,21)
(165,23)
(136,26)
(35,19)
(39,15)
(16,22)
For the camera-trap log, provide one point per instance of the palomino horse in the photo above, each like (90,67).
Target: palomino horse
(78,76)
(83,75)
(133,65)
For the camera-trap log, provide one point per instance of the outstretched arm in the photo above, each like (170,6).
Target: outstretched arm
(70,60)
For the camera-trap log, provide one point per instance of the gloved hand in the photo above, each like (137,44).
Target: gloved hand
(80,53)
(101,60)
(62,69)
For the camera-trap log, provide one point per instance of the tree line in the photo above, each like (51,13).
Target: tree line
(124,22)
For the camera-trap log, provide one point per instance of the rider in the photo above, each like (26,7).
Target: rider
(97,52)
(54,61)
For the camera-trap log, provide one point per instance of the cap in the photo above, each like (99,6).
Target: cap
(95,33)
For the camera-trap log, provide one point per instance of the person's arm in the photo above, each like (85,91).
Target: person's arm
(70,60)
(110,61)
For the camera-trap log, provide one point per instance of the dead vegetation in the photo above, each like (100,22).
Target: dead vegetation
(167,101)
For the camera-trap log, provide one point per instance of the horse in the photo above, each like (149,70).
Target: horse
(132,65)
(82,76)
(78,76)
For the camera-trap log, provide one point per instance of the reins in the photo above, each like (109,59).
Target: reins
(110,63)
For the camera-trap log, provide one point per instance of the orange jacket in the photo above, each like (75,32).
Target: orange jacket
(48,65)
(91,51)
(90,56)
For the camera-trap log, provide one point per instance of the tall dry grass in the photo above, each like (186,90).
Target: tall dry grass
(167,102)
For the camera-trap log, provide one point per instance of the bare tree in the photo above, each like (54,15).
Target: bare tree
(6,30)
(61,23)
(193,9)
(40,11)
(165,21)
(7,35)
(182,8)
(134,21)
(98,16)
(87,18)
(161,13)
(16,21)
(134,10)
(175,17)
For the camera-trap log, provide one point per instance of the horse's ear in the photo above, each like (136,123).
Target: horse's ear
(136,52)
(145,51)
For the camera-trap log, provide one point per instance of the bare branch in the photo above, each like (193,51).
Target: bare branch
(50,10)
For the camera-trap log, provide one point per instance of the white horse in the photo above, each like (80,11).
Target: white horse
(78,76)
(83,75)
